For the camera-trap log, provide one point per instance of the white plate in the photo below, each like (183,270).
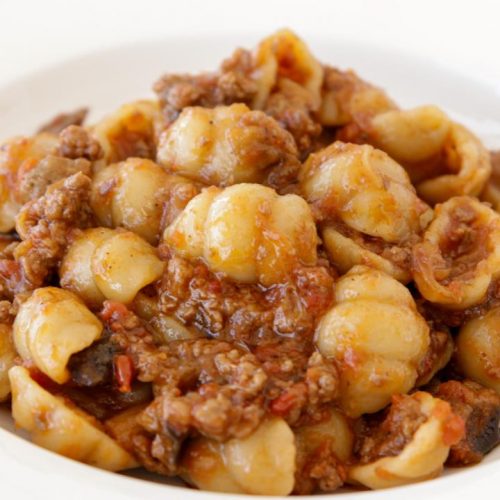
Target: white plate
(107,79)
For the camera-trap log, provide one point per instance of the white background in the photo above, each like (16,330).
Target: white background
(464,35)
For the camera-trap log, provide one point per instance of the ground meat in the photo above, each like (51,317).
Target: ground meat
(63,120)
(7,313)
(320,469)
(33,182)
(480,409)
(387,433)
(232,83)
(463,244)
(357,102)
(299,386)
(76,142)
(125,142)
(45,225)
(216,388)
(204,387)
(263,142)
(245,313)
(291,106)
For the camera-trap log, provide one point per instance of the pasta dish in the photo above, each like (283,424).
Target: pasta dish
(270,279)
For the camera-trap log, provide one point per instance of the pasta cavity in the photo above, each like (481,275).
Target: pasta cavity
(131,131)
(459,256)
(411,444)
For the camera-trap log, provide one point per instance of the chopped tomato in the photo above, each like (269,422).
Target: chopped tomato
(123,371)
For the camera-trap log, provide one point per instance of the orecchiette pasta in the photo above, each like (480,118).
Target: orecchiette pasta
(52,325)
(411,136)
(264,462)
(63,429)
(16,155)
(227,145)
(335,429)
(123,264)
(284,55)
(350,101)
(130,131)
(203,466)
(478,349)
(75,271)
(443,158)
(491,192)
(260,464)
(460,254)
(423,456)
(247,232)
(7,357)
(133,194)
(376,336)
(469,164)
(371,196)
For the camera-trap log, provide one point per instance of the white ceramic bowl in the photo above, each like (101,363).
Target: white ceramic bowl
(107,79)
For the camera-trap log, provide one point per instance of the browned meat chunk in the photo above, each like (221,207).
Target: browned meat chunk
(480,409)
(320,469)
(76,142)
(292,107)
(45,225)
(106,401)
(33,182)
(246,313)
(231,84)
(63,120)
(387,433)
(301,381)
(216,388)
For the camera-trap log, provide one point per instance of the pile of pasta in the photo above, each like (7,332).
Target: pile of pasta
(268,280)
